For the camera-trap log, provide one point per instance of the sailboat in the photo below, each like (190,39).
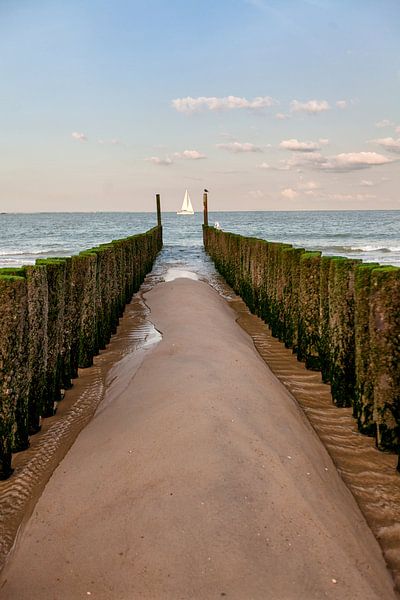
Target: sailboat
(187,208)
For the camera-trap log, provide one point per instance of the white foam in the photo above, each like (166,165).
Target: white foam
(172,274)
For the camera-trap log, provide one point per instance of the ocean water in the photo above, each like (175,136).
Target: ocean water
(367,235)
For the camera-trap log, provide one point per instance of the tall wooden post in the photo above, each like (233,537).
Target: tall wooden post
(158,202)
(205,208)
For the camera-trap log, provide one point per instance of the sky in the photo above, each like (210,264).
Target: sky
(269,104)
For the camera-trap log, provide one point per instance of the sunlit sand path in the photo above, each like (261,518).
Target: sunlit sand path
(199,477)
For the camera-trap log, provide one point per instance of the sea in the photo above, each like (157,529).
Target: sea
(372,236)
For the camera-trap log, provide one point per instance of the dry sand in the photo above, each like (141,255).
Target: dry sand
(198,478)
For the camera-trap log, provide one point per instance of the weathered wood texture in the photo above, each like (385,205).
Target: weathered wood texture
(340,316)
(54,317)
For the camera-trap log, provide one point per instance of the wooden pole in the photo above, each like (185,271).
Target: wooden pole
(205,208)
(158,202)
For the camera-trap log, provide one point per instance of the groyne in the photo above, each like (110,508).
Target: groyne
(195,481)
(55,316)
(339,315)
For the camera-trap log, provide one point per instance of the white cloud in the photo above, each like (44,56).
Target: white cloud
(191,105)
(312,107)
(308,186)
(345,162)
(384,123)
(80,137)
(341,104)
(282,116)
(366,183)
(389,144)
(397,130)
(156,160)
(281,166)
(239,147)
(190,155)
(289,194)
(296,146)
(354,160)
(304,159)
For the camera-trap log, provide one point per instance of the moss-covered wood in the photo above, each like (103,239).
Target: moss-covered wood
(309,309)
(37,296)
(363,407)
(385,355)
(339,315)
(324,340)
(341,331)
(13,368)
(56,278)
(84,273)
(290,299)
(54,317)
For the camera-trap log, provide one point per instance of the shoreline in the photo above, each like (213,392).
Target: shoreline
(205,479)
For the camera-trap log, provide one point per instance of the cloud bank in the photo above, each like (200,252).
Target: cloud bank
(312,107)
(79,137)
(289,194)
(297,146)
(191,105)
(341,163)
(190,155)
(389,144)
(156,160)
(237,147)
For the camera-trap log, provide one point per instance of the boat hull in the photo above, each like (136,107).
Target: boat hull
(184,212)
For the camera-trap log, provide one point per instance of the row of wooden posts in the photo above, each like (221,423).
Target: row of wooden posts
(55,316)
(339,315)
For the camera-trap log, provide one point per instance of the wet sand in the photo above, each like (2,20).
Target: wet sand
(199,477)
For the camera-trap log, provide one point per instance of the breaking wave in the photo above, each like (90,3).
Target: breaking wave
(360,249)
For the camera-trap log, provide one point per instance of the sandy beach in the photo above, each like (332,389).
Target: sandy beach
(199,477)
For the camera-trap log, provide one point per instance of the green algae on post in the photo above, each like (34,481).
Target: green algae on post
(37,293)
(341,330)
(290,300)
(363,407)
(56,271)
(342,317)
(49,326)
(385,355)
(13,366)
(309,309)
(84,272)
(324,341)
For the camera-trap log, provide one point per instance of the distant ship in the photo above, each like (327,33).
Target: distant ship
(187,208)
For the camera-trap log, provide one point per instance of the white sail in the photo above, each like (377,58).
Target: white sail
(185,202)
(189,205)
(187,208)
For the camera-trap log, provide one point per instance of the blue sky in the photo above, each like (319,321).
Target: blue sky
(269,104)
